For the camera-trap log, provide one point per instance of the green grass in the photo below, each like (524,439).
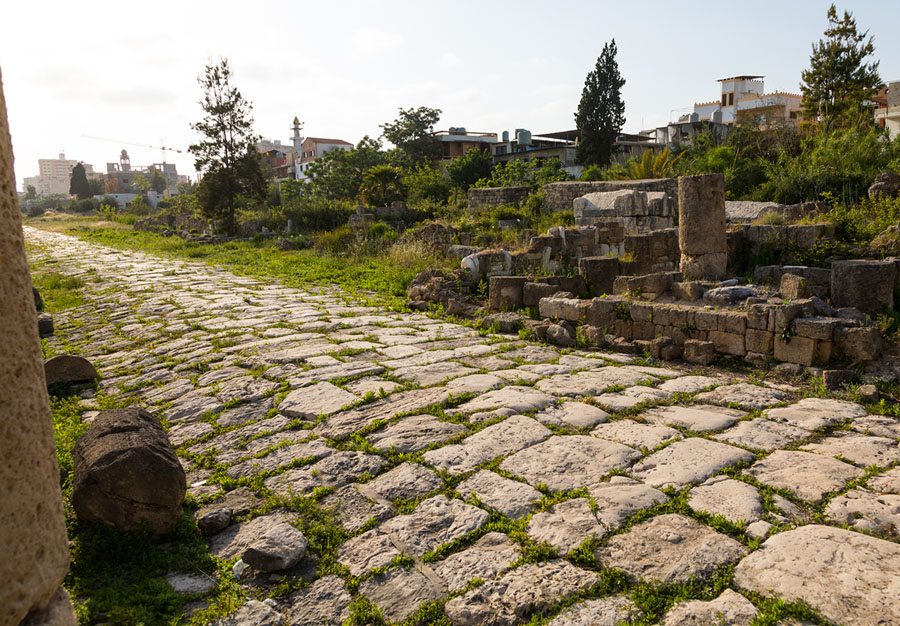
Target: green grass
(59,292)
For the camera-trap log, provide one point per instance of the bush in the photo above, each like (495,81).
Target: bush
(426,184)
(84,206)
(339,241)
(314,215)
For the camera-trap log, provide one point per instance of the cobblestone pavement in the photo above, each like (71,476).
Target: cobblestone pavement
(483,477)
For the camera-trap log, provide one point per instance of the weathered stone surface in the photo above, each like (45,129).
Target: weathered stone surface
(414,433)
(813,564)
(518,594)
(636,434)
(569,462)
(732,499)
(689,384)
(620,497)
(889,482)
(475,383)
(370,550)
(744,394)
(308,450)
(599,612)
(325,602)
(812,413)
(762,434)
(68,368)
(879,425)
(862,450)
(592,382)
(435,521)
(687,462)
(400,591)
(512,498)
(565,525)
(670,549)
(487,558)
(514,433)
(730,608)
(354,510)
(518,399)
(254,613)
(235,539)
(699,418)
(434,373)
(192,407)
(406,481)
(333,471)
(318,399)
(126,473)
(865,285)
(866,510)
(280,547)
(190,583)
(808,475)
(575,414)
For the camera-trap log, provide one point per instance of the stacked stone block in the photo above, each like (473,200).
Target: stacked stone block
(560,196)
(485,198)
(701,226)
(865,285)
(637,211)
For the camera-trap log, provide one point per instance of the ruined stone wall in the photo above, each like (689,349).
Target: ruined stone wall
(654,252)
(485,198)
(34,555)
(559,196)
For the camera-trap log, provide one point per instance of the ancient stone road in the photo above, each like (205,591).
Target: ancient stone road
(431,442)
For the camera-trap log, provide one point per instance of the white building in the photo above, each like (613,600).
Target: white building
(744,101)
(308,149)
(887,114)
(55,175)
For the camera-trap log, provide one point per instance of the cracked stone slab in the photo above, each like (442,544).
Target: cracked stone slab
(689,384)
(518,594)
(732,499)
(729,608)
(309,452)
(745,395)
(324,602)
(621,497)
(613,611)
(414,433)
(878,425)
(510,497)
(354,510)
(513,433)
(574,414)
(697,417)
(670,548)
(569,462)
(368,551)
(487,558)
(192,406)
(333,471)
(806,474)
(372,384)
(346,422)
(889,482)
(686,462)
(475,383)
(406,481)
(319,399)
(566,525)
(237,537)
(812,413)
(400,591)
(636,434)
(862,450)
(428,375)
(433,523)
(868,511)
(592,382)
(516,398)
(848,577)
(762,434)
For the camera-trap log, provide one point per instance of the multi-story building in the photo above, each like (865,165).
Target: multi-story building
(308,149)
(55,175)
(743,101)
(456,141)
(887,110)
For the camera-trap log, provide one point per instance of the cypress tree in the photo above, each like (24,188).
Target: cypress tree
(601,112)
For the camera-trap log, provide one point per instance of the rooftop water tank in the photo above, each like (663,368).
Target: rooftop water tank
(523,137)
(695,117)
(717,117)
(505,135)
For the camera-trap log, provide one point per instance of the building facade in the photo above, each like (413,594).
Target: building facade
(743,101)
(887,111)
(55,175)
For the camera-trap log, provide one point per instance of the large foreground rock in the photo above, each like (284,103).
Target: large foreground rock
(67,368)
(126,472)
(850,578)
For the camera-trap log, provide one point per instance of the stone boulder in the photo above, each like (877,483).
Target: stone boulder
(436,286)
(126,472)
(67,368)
(281,547)
(38,300)
(45,325)
(886,184)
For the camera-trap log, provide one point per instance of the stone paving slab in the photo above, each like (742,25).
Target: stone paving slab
(686,462)
(762,434)
(809,476)
(862,450)
(512,498)
(812,413)
(400,591)
(565,525)
(487,558)
(414,433)
(636,434)
(745,395)
(699,417)
(729,608)
(435,521)
(613,611)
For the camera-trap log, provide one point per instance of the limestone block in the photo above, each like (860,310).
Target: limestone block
(793,286)
(727,343)
(701,223)
(821,328)
(533,292)
(760,317)
(506,292)
(569,309)
(866,285)
(858,344)
(599,272)
(758,341)
(801,350)
(710,266)
(700,352)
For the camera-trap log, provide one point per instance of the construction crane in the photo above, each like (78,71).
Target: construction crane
(163,147)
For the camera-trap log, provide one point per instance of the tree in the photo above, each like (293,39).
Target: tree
(468,169)
(382,184)
(140,183)
(412,132)
(222,154)
(158,182)
(426,183)
(839,79)
(338,174)
(601,112)
(96,186)
(78,184)
(30,192)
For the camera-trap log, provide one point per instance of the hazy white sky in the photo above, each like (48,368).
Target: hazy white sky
(128,71)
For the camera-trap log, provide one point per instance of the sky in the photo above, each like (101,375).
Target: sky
(128,72)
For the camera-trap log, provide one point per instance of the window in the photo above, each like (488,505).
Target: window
(730,99)
(724,99)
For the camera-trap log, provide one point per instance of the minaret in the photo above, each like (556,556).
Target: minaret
(297,138)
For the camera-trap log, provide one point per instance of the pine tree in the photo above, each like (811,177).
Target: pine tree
(839,80)
(226,152)
(601,112)
(78,184)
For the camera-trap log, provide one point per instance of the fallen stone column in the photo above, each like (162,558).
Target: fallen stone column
(701,226)
(34,554)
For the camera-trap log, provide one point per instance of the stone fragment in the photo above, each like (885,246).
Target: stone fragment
(698,417)
(514,433)
(686,462)
(400,591)
(813,564)
(45,325)
(744,394)
(862,450)
(762,434)
(370,550)
(68,368)
(889,482)
(325,602)
(670,549)
(518,594)
(808,475)
(406,481)
(126,473)
(866,510)
(730,608)
(575,414)
(236,538)
(280,547)
(569,462)
(565,525)
(254,613)
(812,413)
(435,521)
(512,498)
(354,510)
(636,434)
(318,399)
(212,522)
(734,500)
(414,433)
(700,352)
(612,611)
(189,584)
(487,558)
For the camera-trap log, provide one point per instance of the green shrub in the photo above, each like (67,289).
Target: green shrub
(339,241)
(426,184)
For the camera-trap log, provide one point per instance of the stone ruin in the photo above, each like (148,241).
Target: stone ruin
(664,291)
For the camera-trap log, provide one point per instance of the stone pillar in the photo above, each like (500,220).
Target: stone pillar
(701,226)
(34,554)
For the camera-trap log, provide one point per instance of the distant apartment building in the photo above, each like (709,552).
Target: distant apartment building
(887,109)
(120,177)
(55,175)
(456,141)
(279,157)
(743,101)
